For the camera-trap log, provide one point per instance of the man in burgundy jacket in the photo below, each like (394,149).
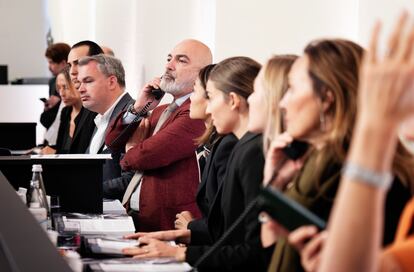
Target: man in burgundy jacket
(161,148)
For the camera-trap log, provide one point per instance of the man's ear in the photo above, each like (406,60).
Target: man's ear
(113,81)
(234,100)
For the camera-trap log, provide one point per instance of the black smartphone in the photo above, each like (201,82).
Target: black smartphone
(286,211)
(295,149)
(44,100)
(157,93)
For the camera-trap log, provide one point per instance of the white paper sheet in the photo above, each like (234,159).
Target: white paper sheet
(113,207)
(146,267)
(120,226)
(113,246)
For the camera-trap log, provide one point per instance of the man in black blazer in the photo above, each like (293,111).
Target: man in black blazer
(102,90)
(82,137)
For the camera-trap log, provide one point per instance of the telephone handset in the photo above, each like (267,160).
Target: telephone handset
(295,149)
(281,208)
(157,93)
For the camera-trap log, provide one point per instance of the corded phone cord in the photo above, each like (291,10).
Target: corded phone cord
(136,119)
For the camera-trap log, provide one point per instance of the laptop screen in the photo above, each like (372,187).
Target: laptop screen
(24,245)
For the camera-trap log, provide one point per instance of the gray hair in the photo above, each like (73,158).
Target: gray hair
(107,65)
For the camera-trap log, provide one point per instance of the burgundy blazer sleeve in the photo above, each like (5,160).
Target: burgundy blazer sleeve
(115,129)
(173,142)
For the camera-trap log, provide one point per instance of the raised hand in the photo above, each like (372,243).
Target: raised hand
(386,91)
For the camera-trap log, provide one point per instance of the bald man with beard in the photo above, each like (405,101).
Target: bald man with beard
(162,149)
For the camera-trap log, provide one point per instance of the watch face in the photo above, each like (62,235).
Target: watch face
(131,109)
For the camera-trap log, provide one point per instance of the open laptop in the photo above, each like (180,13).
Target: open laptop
(18,136)
(24,245)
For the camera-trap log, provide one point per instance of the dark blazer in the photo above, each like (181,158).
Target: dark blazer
(115,188)
(48,117)
(212,176)
(242,250)
(112,168)
(86,125)
(82,135)
(167,159)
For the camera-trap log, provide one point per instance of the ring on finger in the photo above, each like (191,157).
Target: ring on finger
(263,218)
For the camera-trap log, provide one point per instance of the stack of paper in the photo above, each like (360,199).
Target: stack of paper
(145,265)
(101,226)
(108,245)
(113,207)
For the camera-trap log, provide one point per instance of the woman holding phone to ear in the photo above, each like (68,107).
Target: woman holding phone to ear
(319,108)
(386,101)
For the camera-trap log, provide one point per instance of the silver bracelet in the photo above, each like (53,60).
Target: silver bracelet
(367,176)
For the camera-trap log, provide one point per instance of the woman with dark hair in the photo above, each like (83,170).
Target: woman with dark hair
(213,153)
(229,85)
(320,108)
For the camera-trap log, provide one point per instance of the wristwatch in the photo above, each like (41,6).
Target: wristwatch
(132,110)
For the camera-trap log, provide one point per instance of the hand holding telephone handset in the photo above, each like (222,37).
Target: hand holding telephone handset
(157,94)
(295,150)
(281,208)
(282,160)
(154,95)
(149,97)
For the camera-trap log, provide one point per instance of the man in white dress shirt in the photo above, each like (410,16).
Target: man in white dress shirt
(102,90)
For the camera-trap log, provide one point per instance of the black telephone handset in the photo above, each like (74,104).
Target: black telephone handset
(296,149)
(157,93)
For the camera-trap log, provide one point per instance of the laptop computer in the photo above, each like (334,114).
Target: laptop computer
(24,245)
(18,136)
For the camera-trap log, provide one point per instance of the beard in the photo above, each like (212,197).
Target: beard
(169,85)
